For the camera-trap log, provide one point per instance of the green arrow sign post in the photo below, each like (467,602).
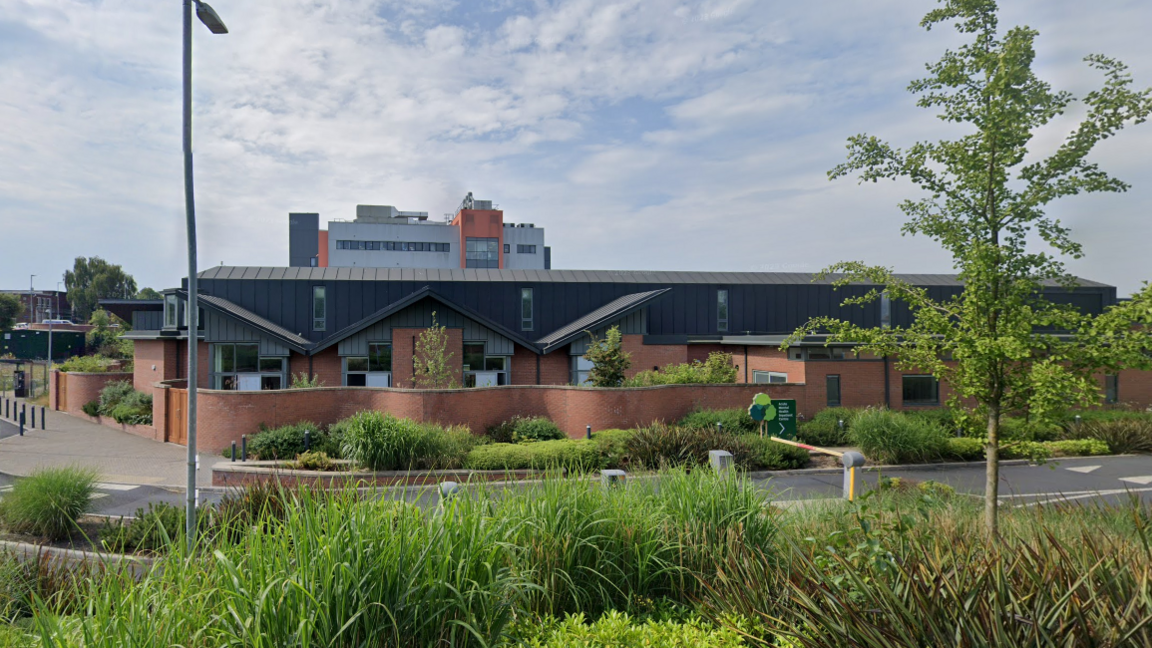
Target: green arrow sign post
(777,417)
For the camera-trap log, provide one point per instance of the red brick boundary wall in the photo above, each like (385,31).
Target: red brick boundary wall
(82,388)
(268,472)
(223,416)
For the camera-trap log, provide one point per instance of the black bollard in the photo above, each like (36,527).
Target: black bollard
(43,418)
(233,452)
(33,417)
(21,423)
(307,440)
(588,432)
(243,447)
(719,427)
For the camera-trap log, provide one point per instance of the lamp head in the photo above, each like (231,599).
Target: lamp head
(210,18)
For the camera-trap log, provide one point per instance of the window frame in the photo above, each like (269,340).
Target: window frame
(171,311)
(468,374)
(320,323)
(770,376)
(828,400)
(919,402)
(229,378)
(723,306)
(527,303)
(346,371)
(525,248)
(1111,389)
(473,252)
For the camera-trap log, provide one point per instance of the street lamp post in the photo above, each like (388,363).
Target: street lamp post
(216,26)
(31,299)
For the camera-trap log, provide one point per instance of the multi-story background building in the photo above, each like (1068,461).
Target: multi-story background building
(382,236)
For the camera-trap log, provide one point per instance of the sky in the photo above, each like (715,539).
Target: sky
(641,134)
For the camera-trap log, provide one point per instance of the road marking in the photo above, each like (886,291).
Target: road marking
(99,495)
(1067,497)
(1143,480)
(1083,469)
(117,487)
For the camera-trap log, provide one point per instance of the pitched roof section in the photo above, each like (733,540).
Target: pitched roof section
(245,316)
(397,306)
(613,310)
(559,276)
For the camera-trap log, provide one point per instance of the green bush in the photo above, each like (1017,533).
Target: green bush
(889,438)
(1018,429)
(1129,435)
(86,364)
(315,461)
(152,530)
(718,369)
(502,432)
(287,441)
(766,454)
(92,408)
(380,441)
(112,394)
(735,420)
(1078,447)
(575,455)
(824,428)
(537,428)
(17,589)
(48,502)
(613,445)
(1033,450)
(618,630)
(964,449)
(134,409)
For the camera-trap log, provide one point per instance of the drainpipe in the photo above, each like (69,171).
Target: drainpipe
(887,385)
(310,374)
(745,364)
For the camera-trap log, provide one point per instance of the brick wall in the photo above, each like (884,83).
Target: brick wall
(1135,388)
(181,359)
(403,351)
(225,415)
(647,356)
(155,361)
(82,388)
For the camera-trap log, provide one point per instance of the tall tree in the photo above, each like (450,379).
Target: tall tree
(608,358)
(10,310)
(91,280)
(985,197)
(148,293)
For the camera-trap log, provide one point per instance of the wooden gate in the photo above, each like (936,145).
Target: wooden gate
(61,392)
(176,416)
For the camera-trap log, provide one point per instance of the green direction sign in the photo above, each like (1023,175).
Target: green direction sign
(783,425)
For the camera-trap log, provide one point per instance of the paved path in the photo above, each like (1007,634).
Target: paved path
(119,457)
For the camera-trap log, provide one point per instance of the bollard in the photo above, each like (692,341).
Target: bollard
(841,424)
(307,440)
(243,447)
(1077,419)
(852,461)
(43,418)
(447,491)
(721,460)
(610,478)
(33,417)
(23,412)
(21,423)
(719,427)
(233,452)
(588,432)
(6,407)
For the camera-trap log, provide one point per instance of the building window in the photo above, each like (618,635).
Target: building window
(526,309)
(372,370)
(170,308)
(314,262)
(721,310)
(394,246)
(921,390)
(319,308)
(1112,389)
(482,370)
(824,353)
(769,377)
(507,248)
(832,390)
(241,367)
(482,253)
(525,249)
(580,368)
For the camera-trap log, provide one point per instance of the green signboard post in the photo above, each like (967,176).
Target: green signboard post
(777,417)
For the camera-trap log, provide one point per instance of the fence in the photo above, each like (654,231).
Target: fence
(36,377)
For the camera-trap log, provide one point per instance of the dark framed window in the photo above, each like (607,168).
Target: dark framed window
(394,246)
(240,366)
(482,369)
(507,248)
(170,308)
(721,310)
(1112,389)
(769,377)
(319,308)
(921,390)
(482,253)
(314,262)
(525,249)
(832,390)
(526,319)
(372,370)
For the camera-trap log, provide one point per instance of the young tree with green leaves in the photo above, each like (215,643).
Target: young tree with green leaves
(608,358)
(985,195)
(91,280)
(10,310)
(105,338)
(432,370)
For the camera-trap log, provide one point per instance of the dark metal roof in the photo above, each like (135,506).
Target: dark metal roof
(556,276)
(613,310)
(123,308)
(397,306)
(246,316)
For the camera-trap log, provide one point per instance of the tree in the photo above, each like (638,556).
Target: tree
(105,337)
(609,361)
(91,280)
(986,194)
(148,293)
(10,310)
(432,370)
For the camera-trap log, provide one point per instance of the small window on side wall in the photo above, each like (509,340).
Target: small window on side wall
(721,310)
(832,390)
(170,308)
(769,377)
(319,309)
(921,390)
(526,319)
(1112,389)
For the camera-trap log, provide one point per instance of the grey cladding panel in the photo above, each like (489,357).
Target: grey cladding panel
(147,320)
(219,328)
(633,324)
(419,315)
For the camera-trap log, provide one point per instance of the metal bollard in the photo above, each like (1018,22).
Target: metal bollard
(233,452)
(448,490)
(243,447)
(307,440)
(610,478)
(852,461)
(43,418)
(719,427)
(33,417)
(588,432)
(721,460)
(21,423)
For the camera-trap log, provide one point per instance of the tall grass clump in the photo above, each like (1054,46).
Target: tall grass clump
(48,502)
(380,441)
(1123,435)
(888,437)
